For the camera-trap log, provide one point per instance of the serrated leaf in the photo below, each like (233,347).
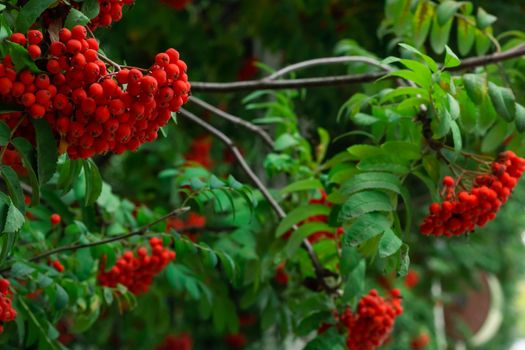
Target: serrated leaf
(475,85)
(466,35)
(20,269)
(302,185)
(20,57)
(439,35)
(299,214)
(30,12)
(46,148)
(446,10)
(484,19)
(365,202)
(520,118)
(355,284)
(215,182)
(14,220)
(285,141)
(75,17)
(456,136)
(25,149)
(304,231)
(91,8)
(422,20)
(495,137)
(451,60)
(62,298)
(389,244)
(13,186)
(365,227)
(483,40)
(93,182)
(228,265)
(68,173)
(503,100)
(5,133)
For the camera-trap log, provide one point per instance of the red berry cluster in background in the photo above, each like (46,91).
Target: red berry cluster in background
(373,321)
(199,151)
(91,110)
(281,277)
(7,313)
(317,236)
(177,4)
(236,340)
(462,212)
(181,341)
(420,342)
(248,69)
(193,221)
(137,272)
(412,278)
(57,265)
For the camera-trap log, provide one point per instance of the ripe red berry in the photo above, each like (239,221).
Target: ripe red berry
(55,219)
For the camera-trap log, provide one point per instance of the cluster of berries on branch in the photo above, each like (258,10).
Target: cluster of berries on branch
(182,341)
(194,221)
(461,212)
(373,321)
(110,11)
(136,272)
(177,4)
(7,313)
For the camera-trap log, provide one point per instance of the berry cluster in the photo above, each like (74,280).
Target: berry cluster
(248,69)
(411,279)
(317,236)
(7,313)
(193,221)
(93,111)
(181,341)
(137,272)
(281,277)
(236,340)
(373,321)
(177,4)
(420,342)
(110,11)
(199,151)
(462,212)
(57,265)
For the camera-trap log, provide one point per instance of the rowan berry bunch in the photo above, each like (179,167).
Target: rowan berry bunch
(57,265)
(193,221)
(199,151)
(373,321)
(110,11)
(281,277)
(460,212)
(177,4)
(420,342)
(7,313)
(181,341)
(136,272)
(93,111)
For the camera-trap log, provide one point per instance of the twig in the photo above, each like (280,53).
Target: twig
(262,84)
(327,61)
(140,231)
(320,271)
(236,120)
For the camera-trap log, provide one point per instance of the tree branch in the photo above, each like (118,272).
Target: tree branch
(320,271)
(326,61)
(264,83)
(236,120)
(139,232)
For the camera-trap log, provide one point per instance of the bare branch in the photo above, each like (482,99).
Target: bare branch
(139,232)
(320,271)
(327,61)
(236,120)
(263,84)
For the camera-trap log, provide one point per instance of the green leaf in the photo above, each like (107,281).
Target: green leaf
(304,231)
(30,12)
(327,340)
(421,21)
(372,181)
(484,19)
(495,137)
(389,244)
(228,265)
(299,214)
(503,100)
(62,298)
(402,149)
(93,182)
(46,148)
(20,57)
(14,220)
(395,165)
(75,17)
(451,60)
(476,87)
(285,141)
(365,227)
(456,136)
(13,186)
(466,35)
(355,284)
(439,35)
(91,8)
(428,60)
(25,149)
(68,173)
(364,202)
(20,269)
(215,182)
(520,117)
(483,40)
(446,10)
(5,133)
(302,185)
(364,151)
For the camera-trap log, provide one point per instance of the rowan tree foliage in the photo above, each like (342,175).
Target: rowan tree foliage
(236,174)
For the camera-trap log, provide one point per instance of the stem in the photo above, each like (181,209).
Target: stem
(113,63)
(262,84)
(139,232)
(236,120)
(320,271)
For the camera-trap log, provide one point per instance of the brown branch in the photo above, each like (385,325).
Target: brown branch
(236,120)
(252,85)
(138,232)
(320,271)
